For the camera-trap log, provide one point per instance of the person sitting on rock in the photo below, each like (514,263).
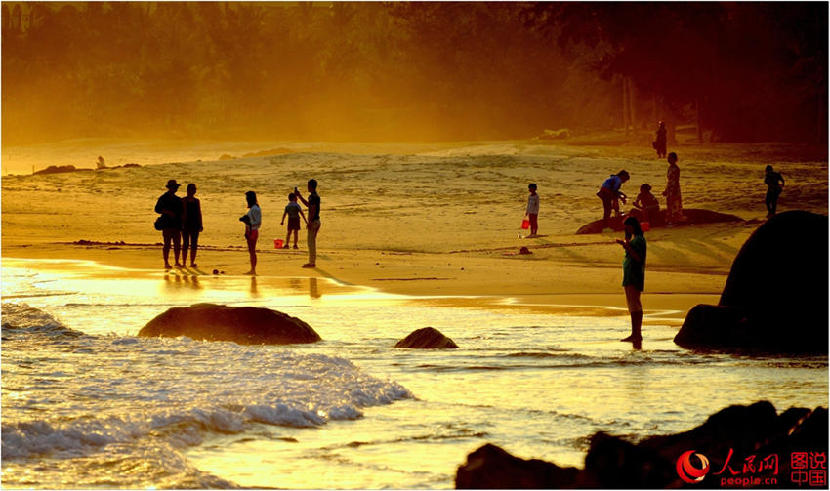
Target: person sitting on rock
(647,205)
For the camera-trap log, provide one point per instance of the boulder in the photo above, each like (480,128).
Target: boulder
(490,467)
(241,325)
(693,216)
(775,297)
(735,433)
(427,337)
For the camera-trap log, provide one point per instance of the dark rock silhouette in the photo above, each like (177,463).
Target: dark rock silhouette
(490,467)
(693,216)
(58,169)
(427,337)
(775,298)
(613,462)
(241,325)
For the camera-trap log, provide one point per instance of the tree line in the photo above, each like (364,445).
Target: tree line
(410,71)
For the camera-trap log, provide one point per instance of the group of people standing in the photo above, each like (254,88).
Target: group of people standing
(180,222)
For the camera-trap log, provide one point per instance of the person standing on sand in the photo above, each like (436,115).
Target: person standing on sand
(171,209)
(294,212)
(775,184)
(634,269)
(252,221)
(532,210)
(659,143)
(192,224)
(674,201)
(313,205)
(610,195)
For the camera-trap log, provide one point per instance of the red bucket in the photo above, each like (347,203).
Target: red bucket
(525,224)
(278,243)
(644,226)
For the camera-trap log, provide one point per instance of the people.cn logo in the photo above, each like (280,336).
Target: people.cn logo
(687,471)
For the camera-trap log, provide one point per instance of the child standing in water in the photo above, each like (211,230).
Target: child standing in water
(192,224)
(532,210)
(294,212)
(634,271)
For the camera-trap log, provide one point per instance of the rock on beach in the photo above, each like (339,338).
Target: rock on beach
(775,297)
(427,337)
(241,325)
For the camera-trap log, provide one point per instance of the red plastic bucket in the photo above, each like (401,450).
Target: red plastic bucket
(278,243)
(525,224)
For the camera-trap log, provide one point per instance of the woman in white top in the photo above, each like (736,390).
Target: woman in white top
(252,224)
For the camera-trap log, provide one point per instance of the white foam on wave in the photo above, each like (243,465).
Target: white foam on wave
(80,395)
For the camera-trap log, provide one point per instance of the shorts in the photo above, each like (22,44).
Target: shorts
(252,235)
(293,223)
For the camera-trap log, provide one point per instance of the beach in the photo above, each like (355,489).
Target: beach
(412,235)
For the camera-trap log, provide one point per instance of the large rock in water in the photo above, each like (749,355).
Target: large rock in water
(775,298)
(241,325)
(612,462)
(427,337)
(693,216)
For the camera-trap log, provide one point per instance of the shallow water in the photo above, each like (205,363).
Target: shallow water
(87,403)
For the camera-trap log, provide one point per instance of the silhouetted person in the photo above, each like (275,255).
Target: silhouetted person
(192,224)
(634,270)
(659,143)
(610,195)
(674,200)
(294,212)
(171,209)
(100,163)
(775,184)
(252,221)
(647,205)
(313,205)
(532,210)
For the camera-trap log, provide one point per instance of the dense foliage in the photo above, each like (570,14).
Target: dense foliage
(407,71)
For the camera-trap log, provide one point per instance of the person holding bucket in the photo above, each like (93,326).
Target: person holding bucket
(532,210)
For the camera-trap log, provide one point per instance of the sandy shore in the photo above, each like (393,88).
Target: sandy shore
(439,224)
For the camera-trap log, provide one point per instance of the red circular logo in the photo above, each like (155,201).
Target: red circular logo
(687,471)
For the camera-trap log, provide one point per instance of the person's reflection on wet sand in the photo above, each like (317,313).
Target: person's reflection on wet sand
(312,288)
(254,289)
(192,281)
(295,284)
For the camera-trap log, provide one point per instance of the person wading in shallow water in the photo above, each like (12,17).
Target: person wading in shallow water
(634,269)
(171,209)
(775,183)
(313,205)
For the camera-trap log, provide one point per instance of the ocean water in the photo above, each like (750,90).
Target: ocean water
(87,403)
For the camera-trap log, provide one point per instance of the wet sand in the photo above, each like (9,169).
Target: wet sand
(442,223)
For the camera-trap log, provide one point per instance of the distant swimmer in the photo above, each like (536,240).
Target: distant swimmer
(674,200)
(775,184)
(252,221)
(192,224)
(294,212)
(532,210)
(634,269)
(171,209)
(313,205)
(610,195)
